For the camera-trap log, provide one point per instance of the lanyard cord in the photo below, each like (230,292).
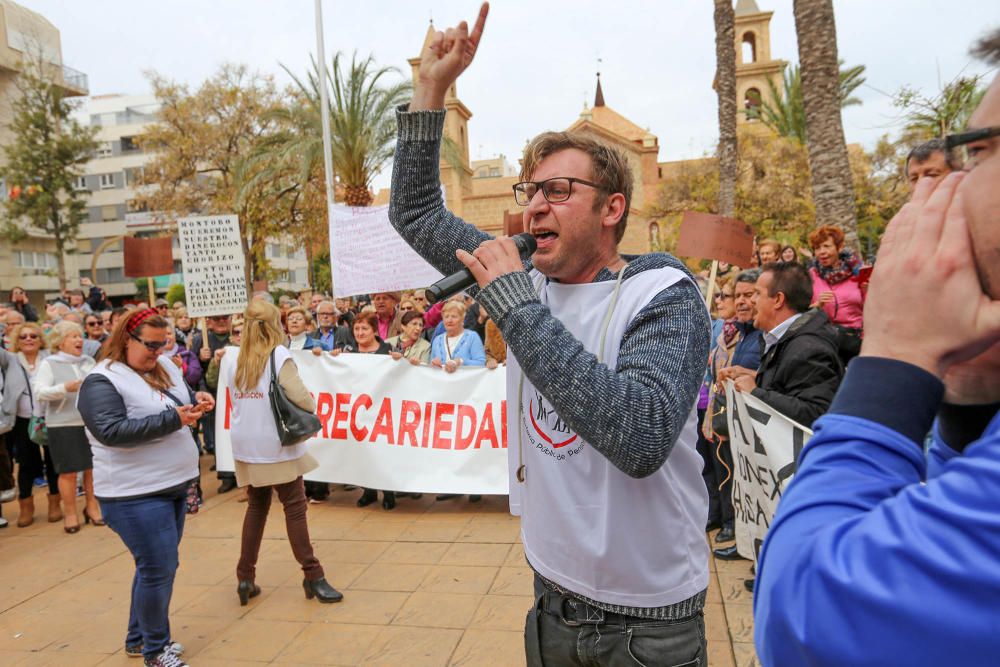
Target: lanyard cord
(520,474)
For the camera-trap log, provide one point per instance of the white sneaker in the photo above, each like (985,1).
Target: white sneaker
(8,495)
(166,659)
(3,522)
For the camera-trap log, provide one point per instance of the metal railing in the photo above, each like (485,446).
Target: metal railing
(75,79)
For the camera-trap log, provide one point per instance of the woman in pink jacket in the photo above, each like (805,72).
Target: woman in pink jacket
(837,287)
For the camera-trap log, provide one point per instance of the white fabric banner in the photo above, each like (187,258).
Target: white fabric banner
(212,261)
(362,238)
(766,445)
(390,425)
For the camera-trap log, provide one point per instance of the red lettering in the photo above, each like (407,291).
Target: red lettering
(324,408)
(466,417)
(487,429)
(364,400)
(229,409)
(409,420)
(503,423)
(383,423)
(338,431)
(442,425)
(427,424)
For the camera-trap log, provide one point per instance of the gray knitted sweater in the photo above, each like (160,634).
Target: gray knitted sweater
(631,414)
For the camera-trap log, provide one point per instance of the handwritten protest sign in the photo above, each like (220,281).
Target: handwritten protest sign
(766,446)
(711,236)
(212,258)
(368,256)
(389,425)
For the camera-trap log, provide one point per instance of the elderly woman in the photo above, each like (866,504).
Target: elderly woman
(456,346)
(139,412)
(410,345)
(184,359)
(836,288)
(299,323)
(20,367)
(262,463)
(56,387)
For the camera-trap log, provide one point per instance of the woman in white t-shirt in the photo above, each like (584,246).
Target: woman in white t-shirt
(262,464)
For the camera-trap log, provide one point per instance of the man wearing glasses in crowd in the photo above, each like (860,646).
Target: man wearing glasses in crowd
(879,555)
(607,356)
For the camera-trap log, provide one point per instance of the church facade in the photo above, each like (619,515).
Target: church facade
(484,197)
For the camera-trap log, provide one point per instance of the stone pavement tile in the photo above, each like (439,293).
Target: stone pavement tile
(720,654)
(513,581)
(96,633)
(117,570)
(219,602)
(506,532)
(438,610)
(502,612)
(329,644)
(79,593)
(48,659)
(488,648)
(387,531)
(473,579)
(195,632)
(732,589)
(714,595)
(204,571)
(414,553)
(716,627)
(438,531)
(516,555)
(183,595)
(746,656)
(334,529)
(397,645)
(391,577)
(475,554)
(360,551)
(740,617)
(340,575)
(23,631)
(360,607)
(260,641)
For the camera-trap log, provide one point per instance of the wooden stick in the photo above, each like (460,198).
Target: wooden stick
(710,292)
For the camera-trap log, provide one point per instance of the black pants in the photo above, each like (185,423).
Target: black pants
(563,631)
(709,471)
(722,459)
(30,462)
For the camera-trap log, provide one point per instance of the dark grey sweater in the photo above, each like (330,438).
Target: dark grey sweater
(631,414)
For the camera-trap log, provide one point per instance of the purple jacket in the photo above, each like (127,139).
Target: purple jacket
(192,366)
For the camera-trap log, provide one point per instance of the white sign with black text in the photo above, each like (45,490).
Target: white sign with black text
(213,263)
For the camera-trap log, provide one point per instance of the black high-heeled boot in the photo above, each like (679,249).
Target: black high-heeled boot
(247,590)
(388,499)
(367,498)
(321,590)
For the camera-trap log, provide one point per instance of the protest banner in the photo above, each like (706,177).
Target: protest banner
(766,446)
(363,238)
(213,263)
(715,237)
(390,425)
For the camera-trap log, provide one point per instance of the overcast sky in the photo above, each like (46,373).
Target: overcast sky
(537,60)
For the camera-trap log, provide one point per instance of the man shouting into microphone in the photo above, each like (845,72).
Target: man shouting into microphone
(606,356)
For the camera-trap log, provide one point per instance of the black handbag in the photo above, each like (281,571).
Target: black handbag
(294,424)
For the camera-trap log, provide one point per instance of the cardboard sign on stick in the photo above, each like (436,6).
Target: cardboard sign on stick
(148,257)
(710,236)
(212,257)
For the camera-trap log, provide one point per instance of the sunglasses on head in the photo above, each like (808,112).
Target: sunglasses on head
(152,346)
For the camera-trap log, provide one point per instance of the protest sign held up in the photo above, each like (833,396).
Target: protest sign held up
(213,263)
(715,237)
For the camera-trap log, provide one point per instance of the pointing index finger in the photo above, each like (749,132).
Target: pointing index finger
(477,30)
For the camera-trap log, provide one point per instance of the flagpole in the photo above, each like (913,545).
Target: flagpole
(324,102)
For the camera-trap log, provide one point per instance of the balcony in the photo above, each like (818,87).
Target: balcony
(75,80)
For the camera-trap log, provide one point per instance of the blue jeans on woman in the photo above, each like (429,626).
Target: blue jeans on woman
(151,528)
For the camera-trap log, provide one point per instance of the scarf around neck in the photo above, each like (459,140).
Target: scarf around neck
(845,267)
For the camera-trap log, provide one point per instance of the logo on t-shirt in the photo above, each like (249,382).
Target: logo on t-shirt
(546,431)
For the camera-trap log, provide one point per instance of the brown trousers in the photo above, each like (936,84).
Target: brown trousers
(293,499)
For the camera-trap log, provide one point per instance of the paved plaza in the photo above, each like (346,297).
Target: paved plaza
(430,583)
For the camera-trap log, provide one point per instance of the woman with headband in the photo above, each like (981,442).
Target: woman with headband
(139,412)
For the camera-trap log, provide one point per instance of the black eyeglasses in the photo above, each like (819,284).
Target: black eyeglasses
(237,332)
(152,346)
(28,337)
(961,140)
(554,190)
(722,296)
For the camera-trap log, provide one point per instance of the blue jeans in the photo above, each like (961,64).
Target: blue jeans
(563,631)
(151,528)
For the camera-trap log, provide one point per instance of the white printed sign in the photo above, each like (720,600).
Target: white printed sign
(766,446)
(390,425)
(367,255)
(212,257)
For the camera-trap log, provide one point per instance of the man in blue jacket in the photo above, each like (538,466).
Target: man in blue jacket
(865,564)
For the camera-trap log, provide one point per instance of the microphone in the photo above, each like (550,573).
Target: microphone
(460,280)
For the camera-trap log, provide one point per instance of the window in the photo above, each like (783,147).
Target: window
(751,102)
(104,149)
(107,181)
(80,183)
(109,213)
(129,144)
(110,275)
(132,174)
(35,262)
(749,48)
(494,171)
(273,250)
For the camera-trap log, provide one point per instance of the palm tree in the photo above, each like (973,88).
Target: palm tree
(362,126)
(784,113)
(946,112)
(832,189)
(725,86)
